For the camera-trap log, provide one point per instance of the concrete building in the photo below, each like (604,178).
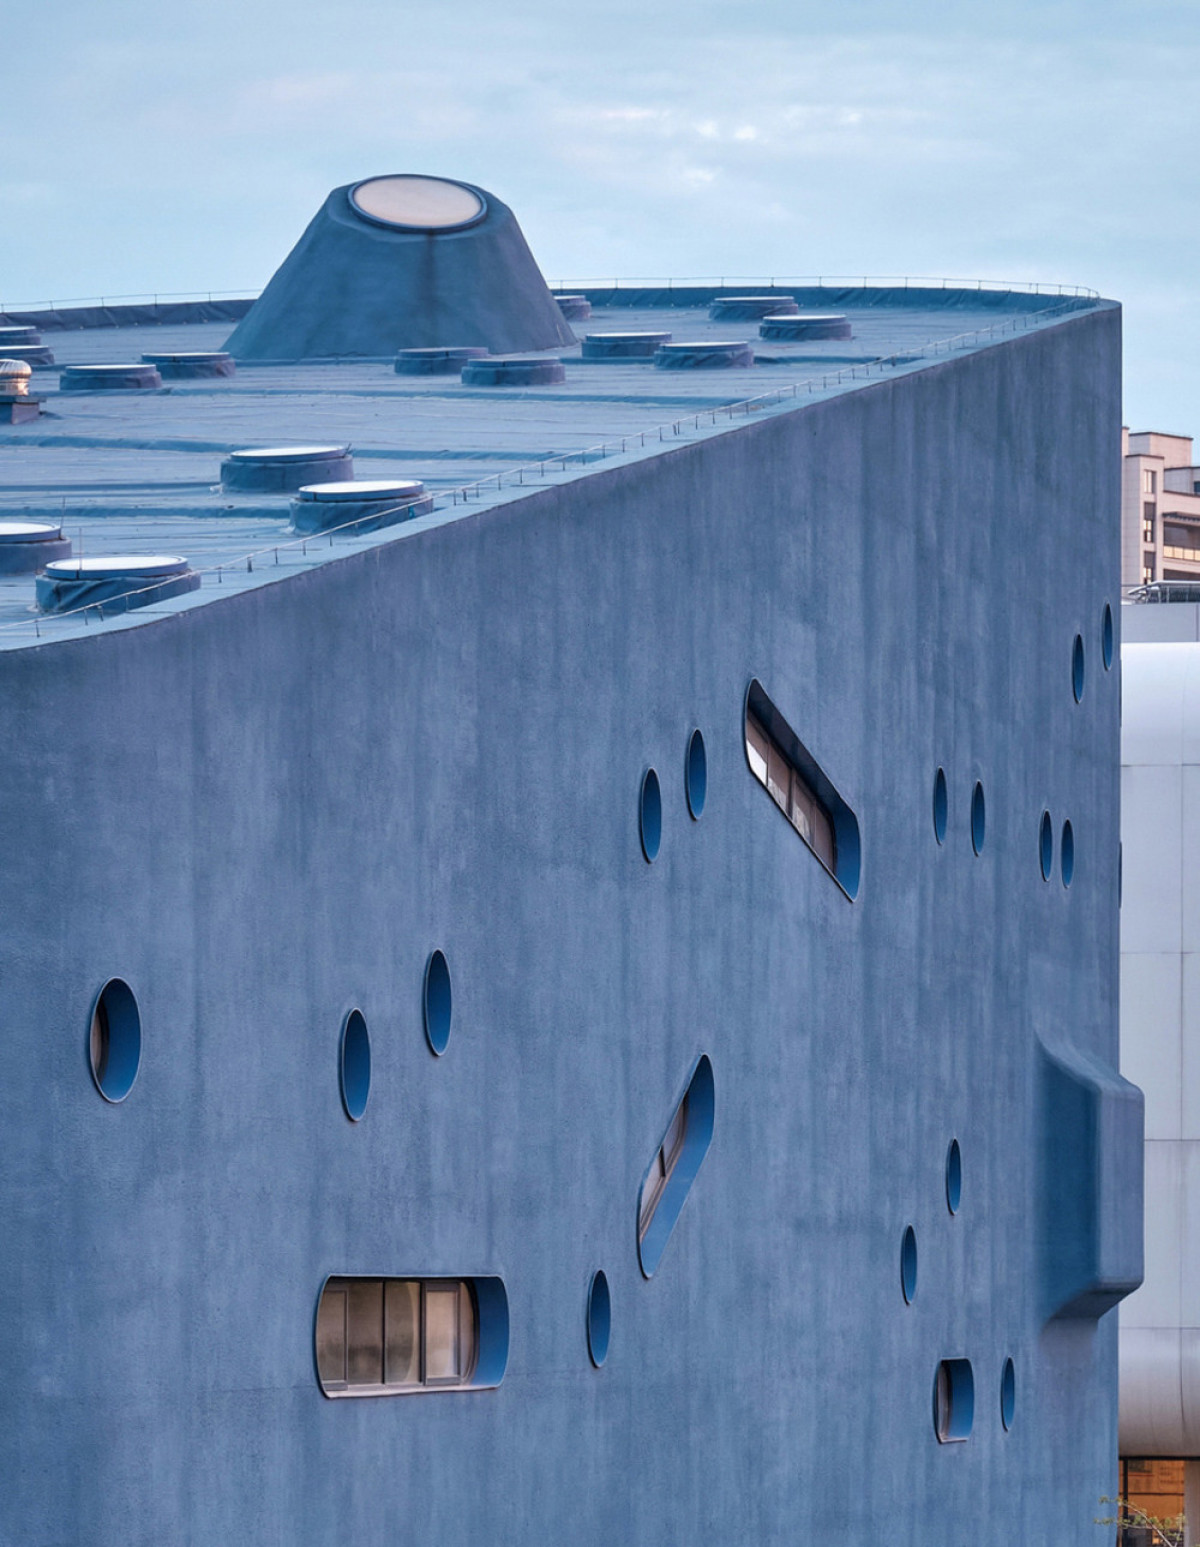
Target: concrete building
(1160,509)
(560,983)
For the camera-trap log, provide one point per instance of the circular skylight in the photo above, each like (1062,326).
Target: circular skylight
(116,566)
(27,531)
(418,203)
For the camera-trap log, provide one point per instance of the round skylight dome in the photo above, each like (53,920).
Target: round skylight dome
(418,203)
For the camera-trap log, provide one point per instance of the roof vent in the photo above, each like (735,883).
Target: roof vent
(32,354)
(623,346)
(18,335)
(368,504)
(107,378)
(749,308)
(703,355)
(284,469)
(574,307)
(810,325)
(403,262)
(119,582)
(513,372)
(27,546)
(191,364)
(436,362)
(16,404)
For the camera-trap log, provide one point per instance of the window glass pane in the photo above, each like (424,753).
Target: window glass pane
(402,1349)
(331,1337)
(778,775)
(442,1349)
(364,1332)
(466,1330)
(673,1142)
(756,748)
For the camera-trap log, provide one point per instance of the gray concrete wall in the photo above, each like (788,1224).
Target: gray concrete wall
(270,809)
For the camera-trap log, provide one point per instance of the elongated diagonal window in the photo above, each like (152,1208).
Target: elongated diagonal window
(804,794)
(667,1183)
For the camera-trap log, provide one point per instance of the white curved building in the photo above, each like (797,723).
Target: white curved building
(1160,1044)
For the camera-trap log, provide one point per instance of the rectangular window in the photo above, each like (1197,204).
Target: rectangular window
(1149,481)
(379,1335)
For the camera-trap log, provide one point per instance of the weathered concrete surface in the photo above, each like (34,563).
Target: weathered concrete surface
(269,809)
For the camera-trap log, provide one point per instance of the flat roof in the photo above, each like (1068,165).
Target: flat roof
(138,471)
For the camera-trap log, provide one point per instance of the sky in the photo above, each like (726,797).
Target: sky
(156,147)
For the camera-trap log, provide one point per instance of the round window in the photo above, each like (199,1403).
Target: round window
(978,819)
(437,1003)
(355,1065)
(115,1040)
(697,775)
(651,816)
(953,1177)
(908,1265)
(599,1318)
(941,806)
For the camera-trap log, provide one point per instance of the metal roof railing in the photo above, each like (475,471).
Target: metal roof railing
(670,282)
(837,281)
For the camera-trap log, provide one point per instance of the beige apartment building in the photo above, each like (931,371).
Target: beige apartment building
(1160,509)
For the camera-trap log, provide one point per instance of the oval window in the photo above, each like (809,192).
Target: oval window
(978,819)
(355,1065)
(1067,854)
(599,1318)
(115,1040)
(697,775)
(908,1265)
(438,1004)
(941,806)
(650,816)
(1046,845)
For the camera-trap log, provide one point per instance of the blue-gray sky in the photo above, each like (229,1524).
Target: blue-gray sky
(152,146)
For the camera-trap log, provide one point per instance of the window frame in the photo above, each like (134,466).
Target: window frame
(469,1332)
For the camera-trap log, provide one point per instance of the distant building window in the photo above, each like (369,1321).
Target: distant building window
(798,786)
(1148,513)
(1149,481)
(383,1336)
(1147,568)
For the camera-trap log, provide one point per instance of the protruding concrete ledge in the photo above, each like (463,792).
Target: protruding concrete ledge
(27,546)
(805,326)
(284,469)
(749,308)
(513,373)
(703,355)
(108,378)
(115,583)
(192,364)
(368,503)
(437,362)
(574,307)
(623,346)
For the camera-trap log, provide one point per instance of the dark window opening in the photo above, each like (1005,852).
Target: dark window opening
(801,790)
(681,1151)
